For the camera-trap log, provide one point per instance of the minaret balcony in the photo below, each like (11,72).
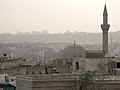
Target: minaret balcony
(105,27)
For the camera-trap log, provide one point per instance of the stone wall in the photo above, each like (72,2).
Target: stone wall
(53,82)
(63,82)
(24,83)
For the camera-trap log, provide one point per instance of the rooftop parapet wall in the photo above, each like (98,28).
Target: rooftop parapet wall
(50,76)
(66,77)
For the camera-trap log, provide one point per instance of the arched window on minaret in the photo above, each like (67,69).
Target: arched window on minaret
(77,66)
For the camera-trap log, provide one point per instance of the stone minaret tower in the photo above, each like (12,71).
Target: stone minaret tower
(105,27)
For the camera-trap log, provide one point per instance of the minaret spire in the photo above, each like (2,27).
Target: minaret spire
(105,27)
(105,10)
(105,16)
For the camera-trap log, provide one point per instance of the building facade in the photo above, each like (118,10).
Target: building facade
(74,61)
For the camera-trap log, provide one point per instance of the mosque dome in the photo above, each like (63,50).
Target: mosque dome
(72,51)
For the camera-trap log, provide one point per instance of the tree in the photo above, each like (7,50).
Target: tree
(87,81)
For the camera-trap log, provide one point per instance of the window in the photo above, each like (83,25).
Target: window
(12,80)
(118,65)
(39,72)
(26,72)
(60,62)
(33,73)
(77,66)
(80,88)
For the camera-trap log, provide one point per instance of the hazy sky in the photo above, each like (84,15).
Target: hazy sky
(57,15)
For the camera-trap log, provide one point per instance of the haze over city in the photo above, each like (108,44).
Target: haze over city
(59,45)
(57,16)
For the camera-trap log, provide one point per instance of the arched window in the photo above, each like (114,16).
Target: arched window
(60,62)
(77,66)
(26,72)
(80,88)
(39,72)
(33,72)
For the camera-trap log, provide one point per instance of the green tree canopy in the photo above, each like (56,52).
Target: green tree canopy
(87,81)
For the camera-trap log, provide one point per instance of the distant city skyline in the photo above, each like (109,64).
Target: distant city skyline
(57,16)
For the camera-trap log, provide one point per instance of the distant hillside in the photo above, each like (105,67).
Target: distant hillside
(68,37)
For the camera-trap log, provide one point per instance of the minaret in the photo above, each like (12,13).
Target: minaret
(105,27)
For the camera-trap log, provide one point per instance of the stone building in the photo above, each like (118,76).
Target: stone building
(74,61)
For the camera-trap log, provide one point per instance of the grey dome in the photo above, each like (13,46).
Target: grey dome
(72,51)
